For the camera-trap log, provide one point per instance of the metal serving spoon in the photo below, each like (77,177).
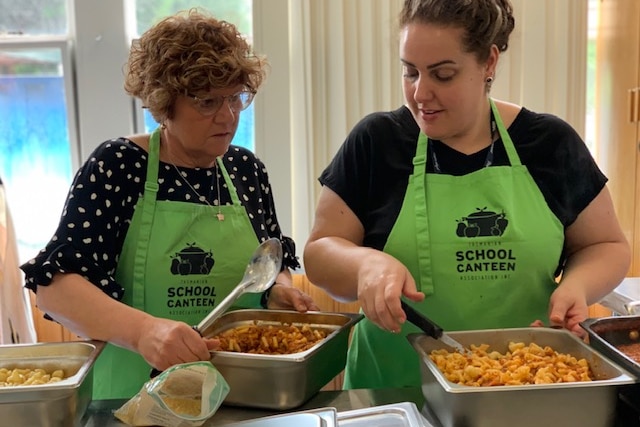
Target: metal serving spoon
(260,274)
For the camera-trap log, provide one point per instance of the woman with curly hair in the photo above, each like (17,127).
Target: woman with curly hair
(157,228)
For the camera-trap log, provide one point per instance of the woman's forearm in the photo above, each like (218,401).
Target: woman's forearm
(332,263)
(87,311)
(597,269)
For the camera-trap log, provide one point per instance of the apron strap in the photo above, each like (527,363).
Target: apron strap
(147,213)
(227,180)
(514,159)
(423,241)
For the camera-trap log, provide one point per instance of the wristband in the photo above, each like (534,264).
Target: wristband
(264,299)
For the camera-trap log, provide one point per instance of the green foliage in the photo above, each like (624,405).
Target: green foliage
(237,12)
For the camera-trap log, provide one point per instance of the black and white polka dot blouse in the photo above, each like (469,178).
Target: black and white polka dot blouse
(101,201)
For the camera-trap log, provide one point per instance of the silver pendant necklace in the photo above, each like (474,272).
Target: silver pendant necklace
(219,215)
(488,161)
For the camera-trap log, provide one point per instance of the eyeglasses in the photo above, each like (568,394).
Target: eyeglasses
(210,106)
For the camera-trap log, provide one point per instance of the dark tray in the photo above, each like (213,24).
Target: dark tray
(608,332)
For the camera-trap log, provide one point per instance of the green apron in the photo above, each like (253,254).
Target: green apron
(177,262)
(483,247)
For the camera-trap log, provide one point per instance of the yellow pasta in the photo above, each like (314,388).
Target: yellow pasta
(270,339)
(27,376)
(521,364)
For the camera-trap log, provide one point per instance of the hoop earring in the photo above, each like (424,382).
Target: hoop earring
(489,80)
(163,126)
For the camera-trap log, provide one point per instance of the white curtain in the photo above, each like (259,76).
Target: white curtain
(344,65)
(15,307)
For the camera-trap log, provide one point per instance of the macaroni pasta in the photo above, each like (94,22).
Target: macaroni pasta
(521,364)
(270,339)
(26,376)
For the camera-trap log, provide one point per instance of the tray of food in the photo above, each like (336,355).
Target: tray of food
(278,359)
(618,338)
(522,376)
(46,384)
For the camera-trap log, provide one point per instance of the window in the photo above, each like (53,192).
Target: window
(37,131)
(33,17)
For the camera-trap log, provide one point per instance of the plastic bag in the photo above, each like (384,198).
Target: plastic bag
(184,395)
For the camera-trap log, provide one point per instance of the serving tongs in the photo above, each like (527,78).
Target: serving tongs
(431,328)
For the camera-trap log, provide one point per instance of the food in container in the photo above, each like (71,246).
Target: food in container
(267,338)
(611,336)
(585,404)
(522,364)
(29,376)
(282,381)
(55,404)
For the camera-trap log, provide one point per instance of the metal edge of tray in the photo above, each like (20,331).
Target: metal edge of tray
(624,377)
(408,410)
(328,414)
(291,419)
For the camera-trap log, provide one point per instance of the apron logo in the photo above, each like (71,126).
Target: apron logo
(482,223)
(192,260)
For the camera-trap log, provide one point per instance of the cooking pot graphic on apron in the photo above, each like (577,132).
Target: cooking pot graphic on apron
(192,260)
(482,223)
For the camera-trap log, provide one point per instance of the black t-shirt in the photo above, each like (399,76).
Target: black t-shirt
(103,195)
(371,169)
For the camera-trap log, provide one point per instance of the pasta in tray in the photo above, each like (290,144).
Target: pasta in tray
(521,364)
(270,339)
(26,376)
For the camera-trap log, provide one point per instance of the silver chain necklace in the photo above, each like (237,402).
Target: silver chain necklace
(219,215)
(488,161)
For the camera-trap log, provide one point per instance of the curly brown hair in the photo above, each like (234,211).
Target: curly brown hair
(189,52)
(485,22)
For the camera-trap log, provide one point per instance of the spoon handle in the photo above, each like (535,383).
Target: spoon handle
(224,305)
(421,321)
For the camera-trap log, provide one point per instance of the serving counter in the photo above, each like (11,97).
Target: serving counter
(625,297)
(100,413)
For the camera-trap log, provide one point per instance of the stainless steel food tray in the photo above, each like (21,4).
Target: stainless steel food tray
(608,332)
(585,404)
(404,414)
(321,417)
(301,419)
(282,381)
(329,416)
(60,404)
